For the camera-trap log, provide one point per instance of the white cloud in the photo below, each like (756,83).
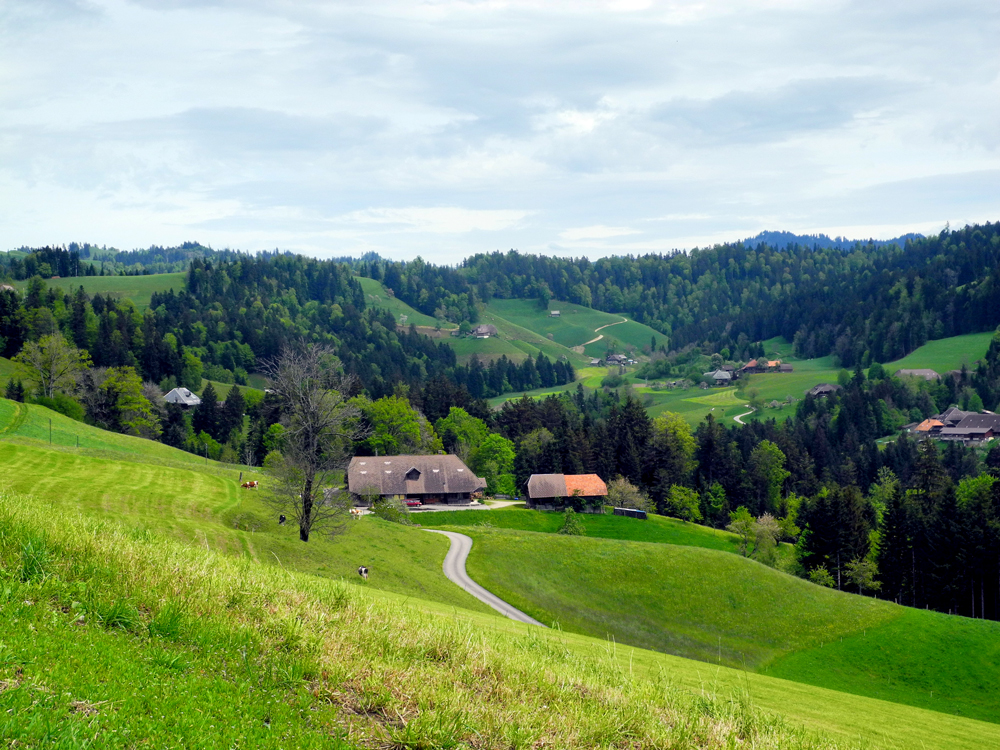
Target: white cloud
(450,127)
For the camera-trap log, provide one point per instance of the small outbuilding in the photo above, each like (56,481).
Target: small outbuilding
(556,491)
(823,389)
(918,373)
(554,314)
(181,397)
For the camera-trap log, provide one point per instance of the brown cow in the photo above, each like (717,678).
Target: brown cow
(249,485)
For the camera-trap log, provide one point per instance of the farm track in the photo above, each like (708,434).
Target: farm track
(454,569)
(599,328)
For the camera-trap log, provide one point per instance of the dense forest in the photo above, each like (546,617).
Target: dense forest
(869,303)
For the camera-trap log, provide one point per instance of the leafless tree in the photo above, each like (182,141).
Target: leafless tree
(320,429)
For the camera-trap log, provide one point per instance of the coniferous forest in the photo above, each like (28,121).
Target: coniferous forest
(904,520)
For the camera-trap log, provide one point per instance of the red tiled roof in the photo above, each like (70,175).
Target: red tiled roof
(587,484)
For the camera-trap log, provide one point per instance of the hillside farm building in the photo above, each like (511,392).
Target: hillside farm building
(554,491)
(920,373)
(182,397)
(429,479)
(484,331)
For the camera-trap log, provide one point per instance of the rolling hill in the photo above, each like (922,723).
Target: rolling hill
(172,587)
(717,607)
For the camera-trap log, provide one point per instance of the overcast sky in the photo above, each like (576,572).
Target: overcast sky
(443,129)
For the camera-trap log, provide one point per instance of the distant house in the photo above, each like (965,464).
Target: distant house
(785,368)
(952,416)
(773,364)
(974,428)
(181,397)
(484,331)
(7,288)
(720,377)
(554,314)
(595,362)
(617,359)
(754,365)
(929,427)
(823,389)
(552,491)
(920,373)
(429,479)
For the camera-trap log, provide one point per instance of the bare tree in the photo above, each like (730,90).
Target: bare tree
(320,429)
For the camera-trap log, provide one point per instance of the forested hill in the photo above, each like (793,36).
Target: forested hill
(864,304)
(783,239)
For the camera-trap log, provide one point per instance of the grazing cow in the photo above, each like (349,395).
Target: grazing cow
(356,513)
(281,520)
(363,572)
(249,485)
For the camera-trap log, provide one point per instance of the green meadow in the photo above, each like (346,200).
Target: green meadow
(717,607)
(139,289)
(122,637)
(376,296)
(945,354)
(659,529)
(130,580)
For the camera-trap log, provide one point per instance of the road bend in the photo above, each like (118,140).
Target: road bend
(454,569)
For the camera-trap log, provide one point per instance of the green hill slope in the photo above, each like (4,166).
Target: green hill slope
(139,289)
(128,638)
(720,608)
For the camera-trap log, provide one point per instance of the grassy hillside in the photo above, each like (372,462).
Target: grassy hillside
(30,423)
(659,529)
(204,505)
(127,639)
(946,354)
(139,289)
(376,296)
(720,608)
(576,325)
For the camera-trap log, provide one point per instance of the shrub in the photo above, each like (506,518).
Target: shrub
(391,510)
(571,524)
(821,577)
(62,404)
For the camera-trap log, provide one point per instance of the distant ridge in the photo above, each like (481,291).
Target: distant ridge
(783,239)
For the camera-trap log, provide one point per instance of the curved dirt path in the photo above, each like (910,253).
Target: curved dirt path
(739,417)
(454,569)
(601,328)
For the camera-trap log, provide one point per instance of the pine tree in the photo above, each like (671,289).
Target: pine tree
(206,414)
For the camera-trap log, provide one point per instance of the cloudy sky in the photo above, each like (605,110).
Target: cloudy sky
(445,128)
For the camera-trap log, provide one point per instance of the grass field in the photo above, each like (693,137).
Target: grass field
(178,646)
(376,296)
(945,354)
(721,608)
(29,422)
(202,505)
(139,289)
(396,626)
(576,324)
(659,529)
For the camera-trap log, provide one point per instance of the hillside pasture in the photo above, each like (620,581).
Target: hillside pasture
(576,325)
(377,296)
(723,609)
(139,289)
(658,529)
(310,653)
(205,506)
(945,354)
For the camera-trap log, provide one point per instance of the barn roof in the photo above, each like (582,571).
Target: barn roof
(928,424)
(918,373)
(414,475)
(181,396)
(563,485)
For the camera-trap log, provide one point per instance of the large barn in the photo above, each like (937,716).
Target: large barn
(429,479)
(554,491)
